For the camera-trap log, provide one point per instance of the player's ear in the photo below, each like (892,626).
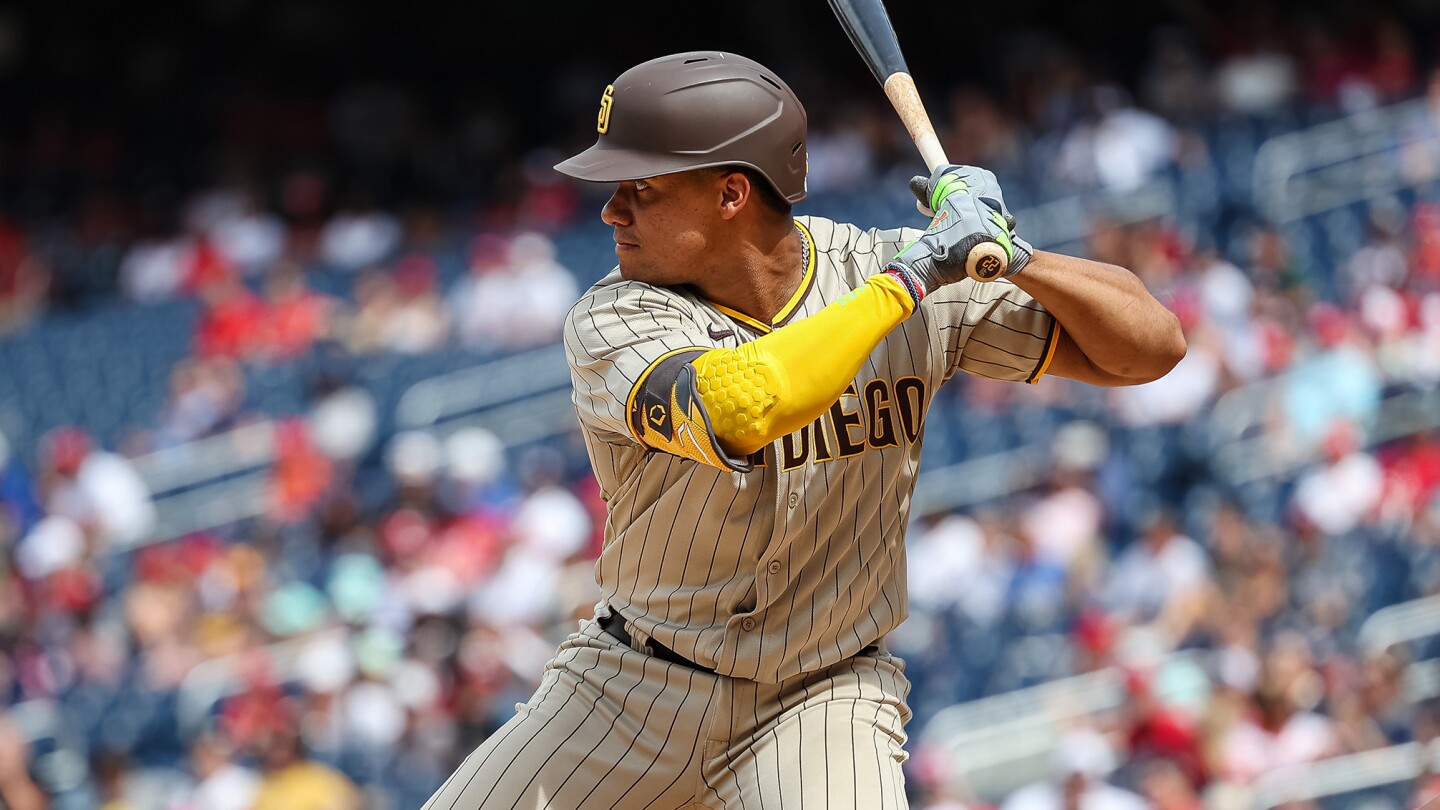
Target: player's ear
(735,192)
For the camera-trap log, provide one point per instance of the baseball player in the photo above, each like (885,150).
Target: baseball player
(752,387)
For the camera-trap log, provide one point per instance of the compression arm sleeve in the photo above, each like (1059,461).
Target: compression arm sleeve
(776,384)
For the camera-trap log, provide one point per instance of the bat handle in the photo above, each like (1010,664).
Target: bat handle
(931,151)
(900,89)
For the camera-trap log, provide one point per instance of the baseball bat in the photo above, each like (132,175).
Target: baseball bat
(868,26)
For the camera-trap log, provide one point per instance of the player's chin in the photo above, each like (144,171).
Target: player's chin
(631,270)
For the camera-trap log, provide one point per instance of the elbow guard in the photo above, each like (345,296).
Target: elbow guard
(668,413)
(740,390)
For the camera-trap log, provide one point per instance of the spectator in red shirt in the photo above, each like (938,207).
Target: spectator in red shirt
(1157,731)
(24,279)
(231,323)
(295,316)
(302,473)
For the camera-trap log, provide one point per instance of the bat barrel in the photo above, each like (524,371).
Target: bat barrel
(869,29)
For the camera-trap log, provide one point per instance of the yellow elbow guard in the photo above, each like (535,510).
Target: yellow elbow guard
(740,391)
(667,413)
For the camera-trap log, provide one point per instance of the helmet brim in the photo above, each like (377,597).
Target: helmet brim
(608,164)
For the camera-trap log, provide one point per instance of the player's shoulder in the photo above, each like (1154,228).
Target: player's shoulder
(828,234)
(833,235)
(615,295)
(848,244)
(613,287)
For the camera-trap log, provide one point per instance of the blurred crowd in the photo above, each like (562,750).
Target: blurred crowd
(321,646)
(364,181)
(402,590)
(1140,544)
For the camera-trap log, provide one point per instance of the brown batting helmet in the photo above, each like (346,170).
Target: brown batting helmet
(694,110)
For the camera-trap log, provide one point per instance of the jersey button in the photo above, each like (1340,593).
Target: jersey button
(794,499)
(748,622)
(774,566)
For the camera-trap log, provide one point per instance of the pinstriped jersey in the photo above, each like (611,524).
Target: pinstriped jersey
(798,563)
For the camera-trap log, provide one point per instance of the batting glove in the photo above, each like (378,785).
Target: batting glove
(969,210)
(950,179)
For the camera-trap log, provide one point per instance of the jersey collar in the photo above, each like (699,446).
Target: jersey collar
(793,305)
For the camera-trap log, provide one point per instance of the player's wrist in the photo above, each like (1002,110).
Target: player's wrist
(908,280)
(1021,252)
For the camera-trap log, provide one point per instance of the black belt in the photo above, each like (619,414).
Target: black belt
(614,624)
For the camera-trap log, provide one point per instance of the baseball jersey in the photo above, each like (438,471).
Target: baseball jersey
(798,562)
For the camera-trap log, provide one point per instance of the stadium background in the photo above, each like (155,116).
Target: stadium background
(289,473)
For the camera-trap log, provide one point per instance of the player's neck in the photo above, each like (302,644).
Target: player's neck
(763,277)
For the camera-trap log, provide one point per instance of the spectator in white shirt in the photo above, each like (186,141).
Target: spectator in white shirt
(1162,578)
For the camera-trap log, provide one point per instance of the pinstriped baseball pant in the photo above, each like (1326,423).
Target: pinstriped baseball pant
(611,727)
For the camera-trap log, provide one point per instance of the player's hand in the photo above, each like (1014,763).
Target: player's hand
(964,218)
(950,180)
(931,191)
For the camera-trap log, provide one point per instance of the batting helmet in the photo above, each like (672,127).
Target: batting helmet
(694,110)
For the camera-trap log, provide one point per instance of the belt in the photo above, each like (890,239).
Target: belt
(615,625)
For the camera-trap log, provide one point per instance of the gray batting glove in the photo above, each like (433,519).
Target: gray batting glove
(963,221)
(951,179)
(976,181)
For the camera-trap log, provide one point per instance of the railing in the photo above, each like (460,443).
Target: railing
(1003,742)
(1404,622)
(1337,776)
(514,396)
(217,678)
(1354,159)
(216,457)
(1422,681)
(1071,220)
(222,479)
(284,662)
(210,482)
(985,479)
(1240,457)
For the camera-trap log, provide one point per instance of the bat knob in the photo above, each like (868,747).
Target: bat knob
(986,261)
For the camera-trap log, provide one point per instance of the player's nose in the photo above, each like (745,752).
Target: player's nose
(616,212)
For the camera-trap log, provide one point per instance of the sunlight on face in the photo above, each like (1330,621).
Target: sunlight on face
(664,226)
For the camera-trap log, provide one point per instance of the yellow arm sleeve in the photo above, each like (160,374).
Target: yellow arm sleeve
(773,386)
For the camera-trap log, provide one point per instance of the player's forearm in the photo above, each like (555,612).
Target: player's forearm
(777,384)
(1125,334)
